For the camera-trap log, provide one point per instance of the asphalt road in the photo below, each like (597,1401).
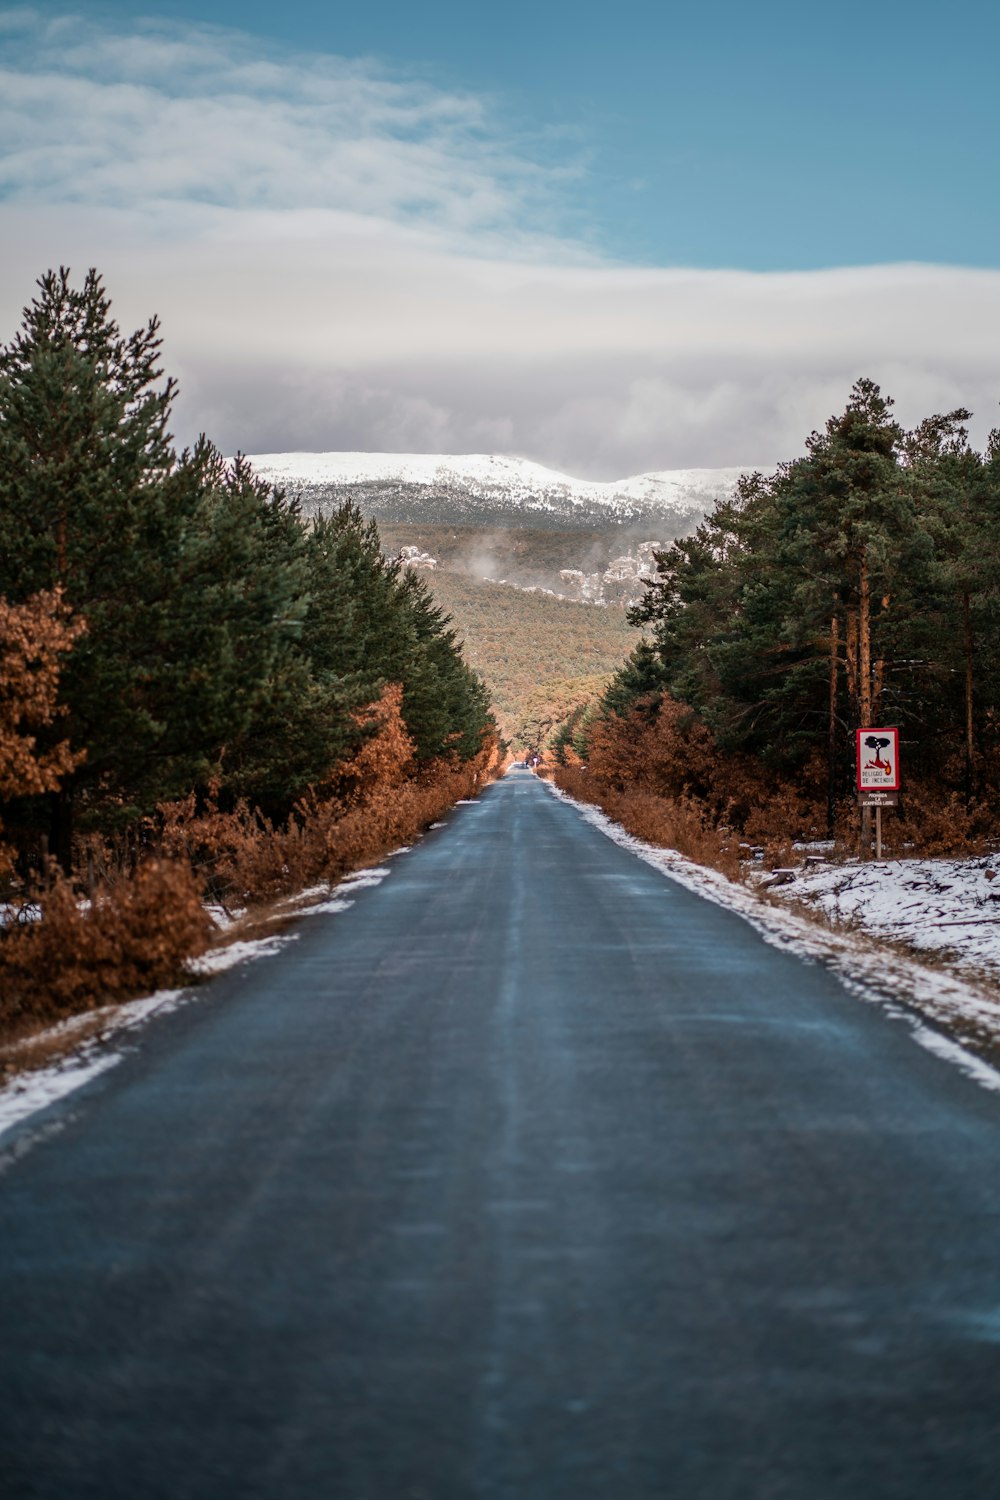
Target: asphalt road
(531,1177)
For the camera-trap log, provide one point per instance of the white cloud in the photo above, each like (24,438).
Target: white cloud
(346,260)
(198,115)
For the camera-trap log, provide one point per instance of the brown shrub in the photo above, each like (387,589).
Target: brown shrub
(235,856)
(659,773)
(33,636)
(141,926)
(380,801)
(385,758)
(931,820)
(133,938)
(679,823)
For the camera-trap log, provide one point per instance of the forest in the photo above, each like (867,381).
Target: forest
(857,585)
(202,696)
(541,657)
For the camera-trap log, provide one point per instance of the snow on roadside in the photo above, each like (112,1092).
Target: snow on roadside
(105,1033)
(941,907)
(961,1005)
(26,1093)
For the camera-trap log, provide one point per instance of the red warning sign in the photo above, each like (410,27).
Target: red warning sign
(878,760)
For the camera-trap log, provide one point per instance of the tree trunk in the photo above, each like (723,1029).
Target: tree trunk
(969,736)
(878,683)
(851,667)
(878,673)
(61,551)
(61,828)
(865,678)
(865,644)
(831,753)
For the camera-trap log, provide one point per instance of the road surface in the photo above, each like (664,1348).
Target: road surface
(533,1176)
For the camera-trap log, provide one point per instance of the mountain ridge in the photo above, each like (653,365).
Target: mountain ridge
(476,488)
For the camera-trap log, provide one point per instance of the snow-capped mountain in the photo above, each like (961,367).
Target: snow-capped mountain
(488,489)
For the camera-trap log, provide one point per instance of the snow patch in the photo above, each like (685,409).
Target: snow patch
(364,878)
(43,1088)
(943,1046)
(934,905)
(27,1093)
(220,959)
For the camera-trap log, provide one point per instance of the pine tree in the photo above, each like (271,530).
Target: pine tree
(90,493)
(191,574)
(226,643)
(274,725)
(372,623)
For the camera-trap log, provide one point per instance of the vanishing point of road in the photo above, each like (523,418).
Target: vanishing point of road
(533,1176)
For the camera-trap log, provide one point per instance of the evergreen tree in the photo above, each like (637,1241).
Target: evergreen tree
(857,583)
(191,574)
(93,501)
(371,622)
(949,638)
(640,676)
(445,704)
(226,642)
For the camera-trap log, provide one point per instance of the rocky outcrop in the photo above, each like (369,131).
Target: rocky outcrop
(412,557)
(622,582)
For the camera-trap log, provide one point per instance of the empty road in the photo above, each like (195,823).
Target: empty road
(533,1176)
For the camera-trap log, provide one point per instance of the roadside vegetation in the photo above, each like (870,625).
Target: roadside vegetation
(201,694)
(859,584)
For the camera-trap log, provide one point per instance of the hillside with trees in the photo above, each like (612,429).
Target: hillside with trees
(857,585)
(541,658)
(200,691)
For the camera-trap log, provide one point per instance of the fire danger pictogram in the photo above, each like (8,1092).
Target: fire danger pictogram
(878,760)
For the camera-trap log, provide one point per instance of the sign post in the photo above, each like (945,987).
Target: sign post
(877,752)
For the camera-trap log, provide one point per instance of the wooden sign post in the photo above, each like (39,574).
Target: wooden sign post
(877,752)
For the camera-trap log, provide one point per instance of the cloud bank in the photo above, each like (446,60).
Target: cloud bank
(346,259)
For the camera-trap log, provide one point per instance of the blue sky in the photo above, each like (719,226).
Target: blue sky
(774,136)
(608,238)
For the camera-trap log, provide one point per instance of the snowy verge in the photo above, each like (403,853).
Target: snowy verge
(88,1044)
(964,1014)
(945,909)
